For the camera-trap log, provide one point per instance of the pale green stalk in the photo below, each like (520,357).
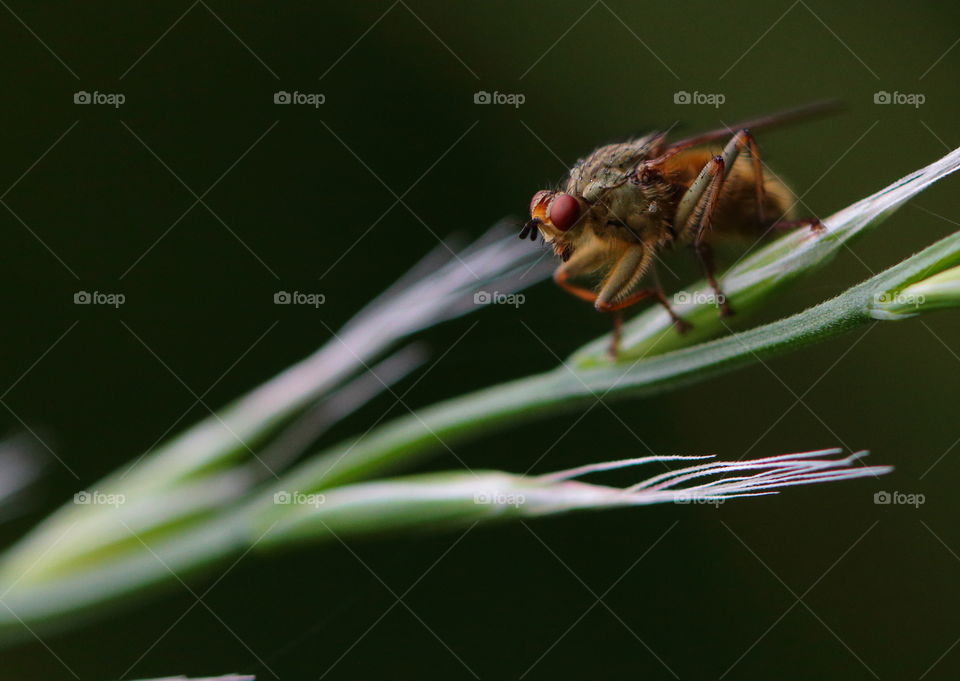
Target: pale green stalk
(462,498)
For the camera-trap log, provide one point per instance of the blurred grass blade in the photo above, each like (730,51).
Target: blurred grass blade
(204,456)
(152,514)
(437,295)
(299,435)
(20,466)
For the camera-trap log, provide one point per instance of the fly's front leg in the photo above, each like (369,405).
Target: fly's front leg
(613,296)
(621,278)
(617,292)
(582,262)
(617,314)
(616,311)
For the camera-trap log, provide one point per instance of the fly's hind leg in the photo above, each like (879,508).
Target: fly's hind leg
(721,165)
(697,205)
(744,140)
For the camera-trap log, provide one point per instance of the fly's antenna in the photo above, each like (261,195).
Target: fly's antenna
(531,228)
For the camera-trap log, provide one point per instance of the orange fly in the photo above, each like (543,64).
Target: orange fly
(624,203)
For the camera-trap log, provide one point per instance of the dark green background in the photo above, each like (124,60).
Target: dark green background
(710,591)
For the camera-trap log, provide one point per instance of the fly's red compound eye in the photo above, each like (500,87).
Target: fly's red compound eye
(563,212)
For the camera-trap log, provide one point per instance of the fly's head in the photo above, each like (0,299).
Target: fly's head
(560,218)
(568,218)
(601,191)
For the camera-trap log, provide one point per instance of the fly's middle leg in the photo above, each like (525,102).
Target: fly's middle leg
(707,185)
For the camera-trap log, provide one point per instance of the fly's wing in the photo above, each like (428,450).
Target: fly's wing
(763,123)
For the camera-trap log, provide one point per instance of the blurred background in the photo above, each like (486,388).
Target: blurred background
(817,582)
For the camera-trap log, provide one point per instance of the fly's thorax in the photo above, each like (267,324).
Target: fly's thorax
(627,212)
(594,187)
(625,201)
(611,165)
